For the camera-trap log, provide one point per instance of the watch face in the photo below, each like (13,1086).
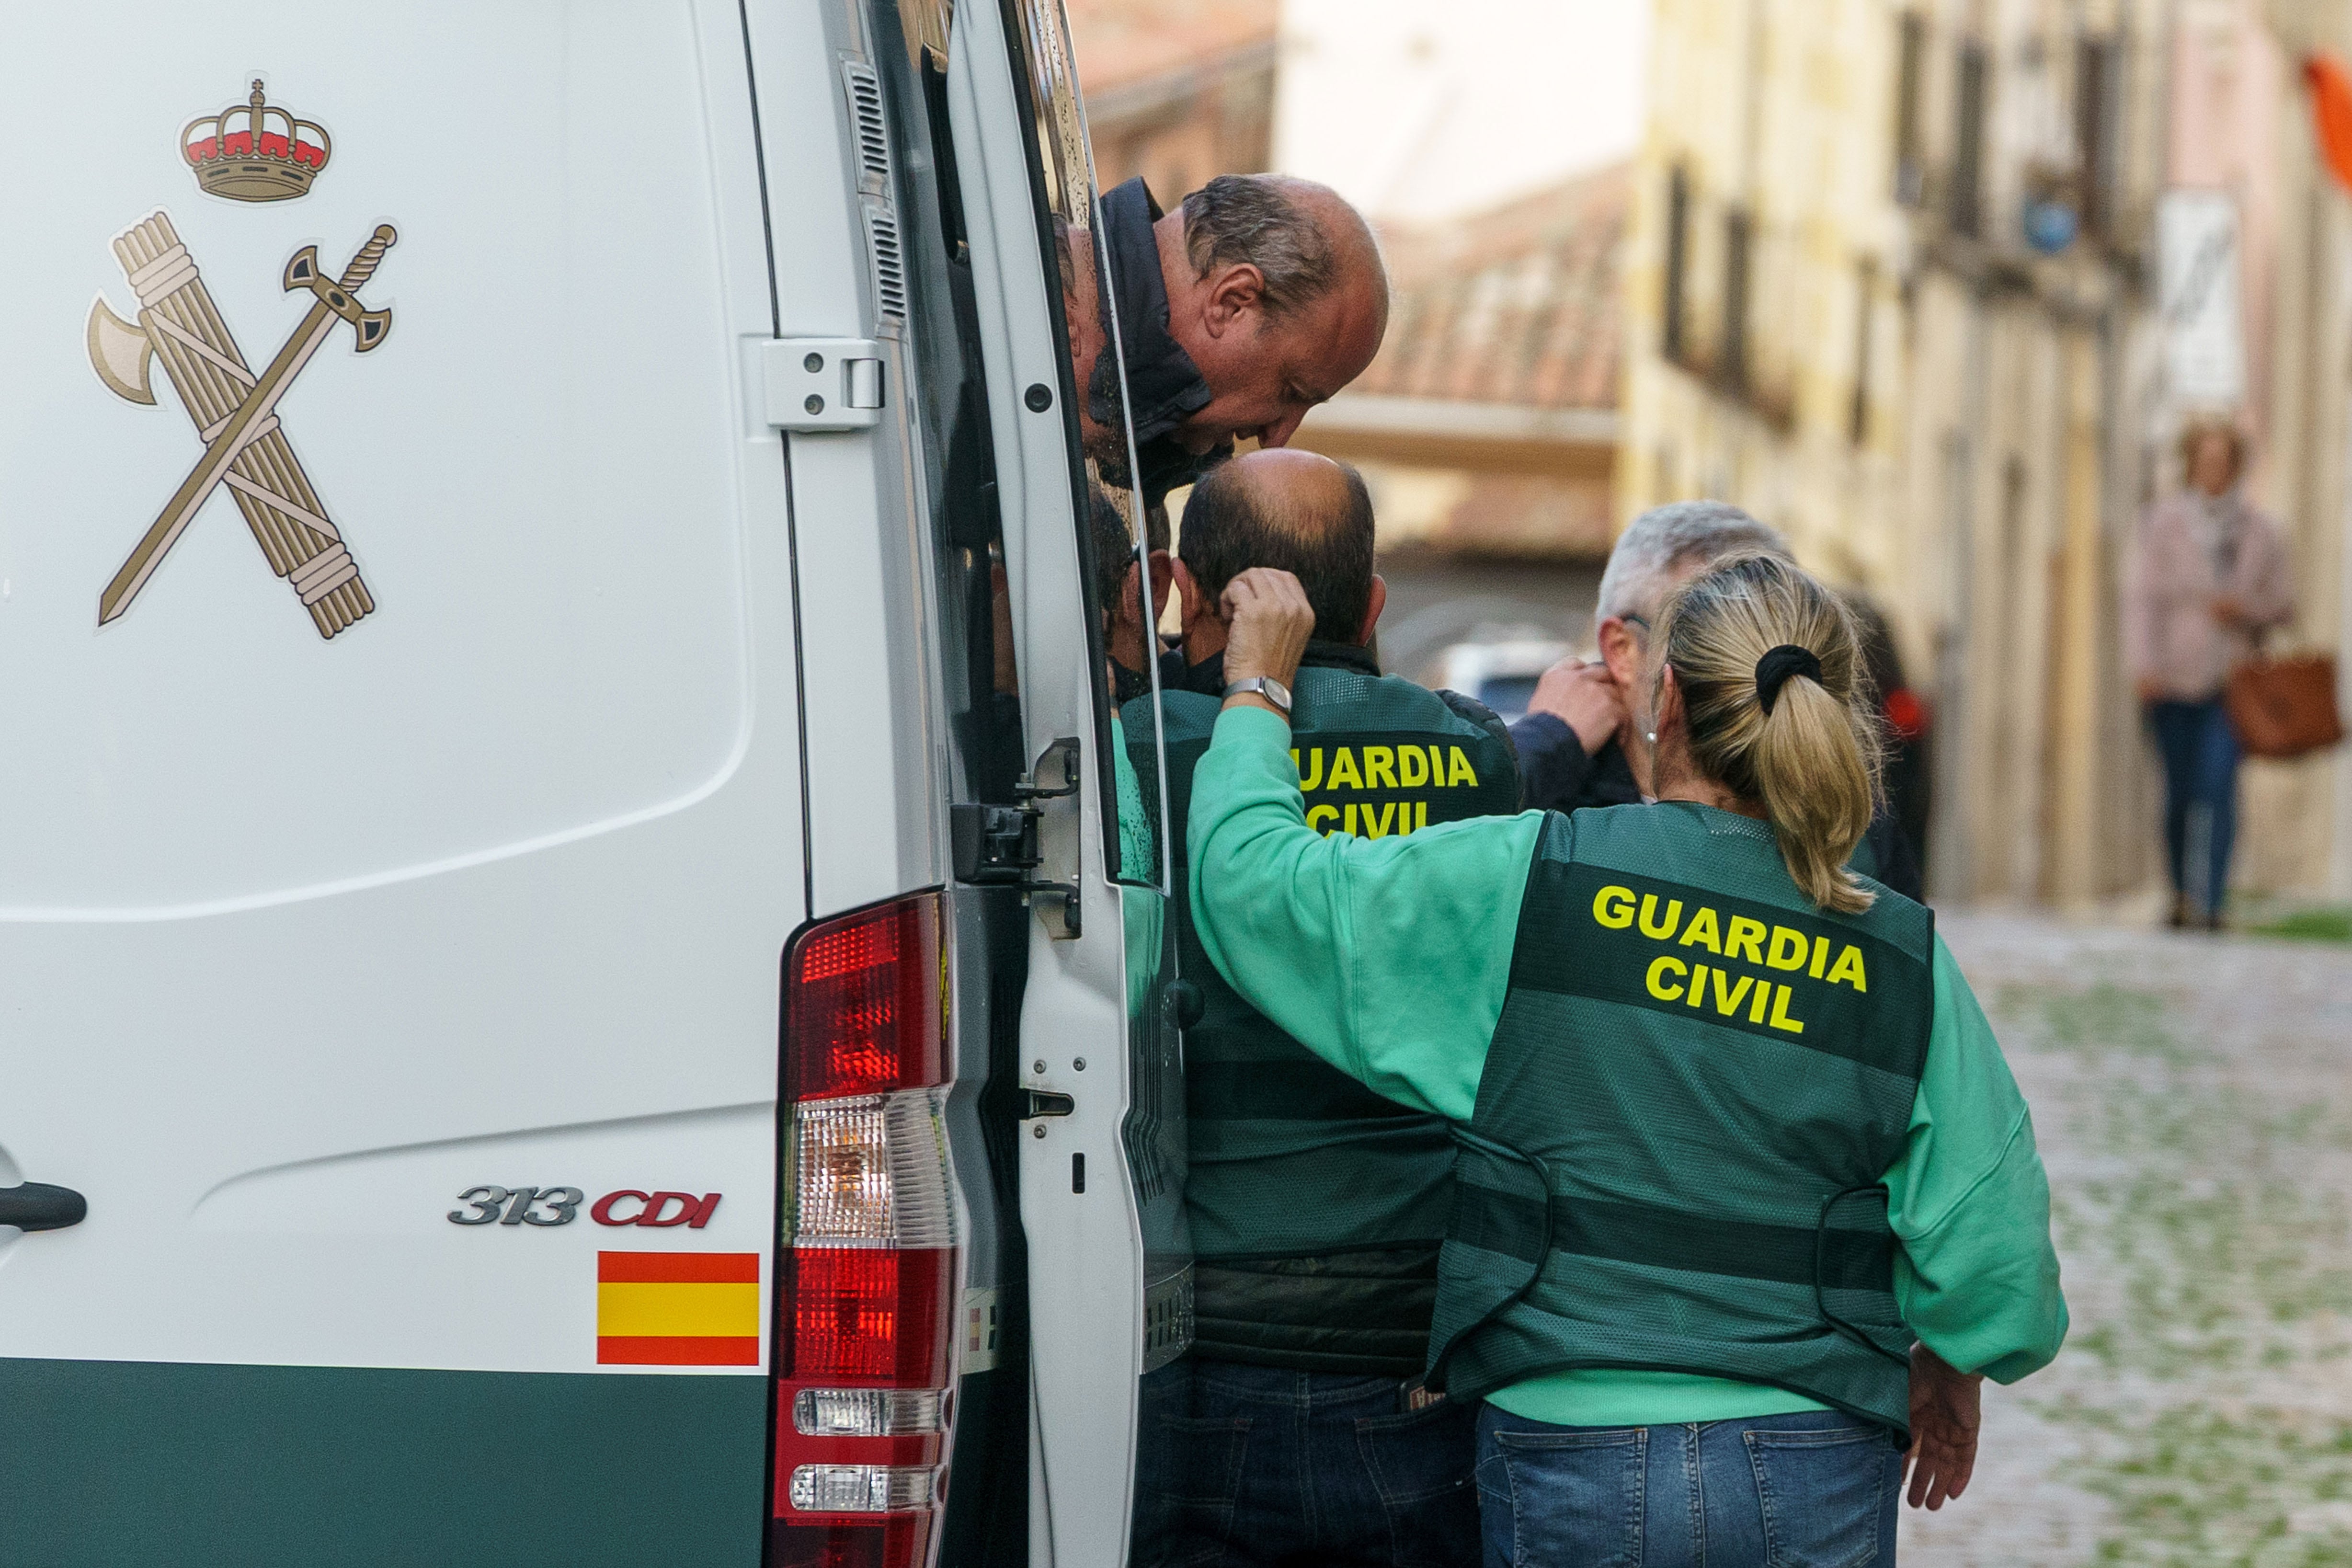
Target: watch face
(1264,686)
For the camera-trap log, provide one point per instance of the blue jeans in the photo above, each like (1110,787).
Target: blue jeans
(1255,1467)
(2201,797)
(1813,1490)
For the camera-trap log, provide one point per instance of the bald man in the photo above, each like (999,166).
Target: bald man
(1260,297)
(1316,1206)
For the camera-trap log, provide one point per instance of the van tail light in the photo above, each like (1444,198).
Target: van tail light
(869,1265)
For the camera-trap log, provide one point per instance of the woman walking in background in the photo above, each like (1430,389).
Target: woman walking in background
(2208,578)
(1736,1148)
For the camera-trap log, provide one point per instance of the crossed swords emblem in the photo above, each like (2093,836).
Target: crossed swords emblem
(235,412)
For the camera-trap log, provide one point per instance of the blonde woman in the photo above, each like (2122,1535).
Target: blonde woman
(1734,1139)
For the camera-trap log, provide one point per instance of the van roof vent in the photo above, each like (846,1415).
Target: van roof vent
(865,89)
(889,262)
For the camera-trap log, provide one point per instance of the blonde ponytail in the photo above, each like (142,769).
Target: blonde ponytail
(1792,733)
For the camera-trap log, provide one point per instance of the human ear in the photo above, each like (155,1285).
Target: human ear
(1621,650)
(1163,579)
(1188,592)
(1669,714)
(1378,602)
(1233,293)
(1127,612)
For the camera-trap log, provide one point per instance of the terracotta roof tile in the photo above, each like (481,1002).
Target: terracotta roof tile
(1518,305)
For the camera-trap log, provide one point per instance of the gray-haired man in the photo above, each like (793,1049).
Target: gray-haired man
(1260,297)
(1579,745)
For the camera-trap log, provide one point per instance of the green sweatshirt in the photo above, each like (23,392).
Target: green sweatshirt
(1389,958)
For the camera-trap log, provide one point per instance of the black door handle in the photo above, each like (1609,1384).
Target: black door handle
(36,1205)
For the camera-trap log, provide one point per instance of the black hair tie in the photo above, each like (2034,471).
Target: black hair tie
(1772,671)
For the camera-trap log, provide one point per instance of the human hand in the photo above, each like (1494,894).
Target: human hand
(1946,1413)
(1583,697)
(1267,622)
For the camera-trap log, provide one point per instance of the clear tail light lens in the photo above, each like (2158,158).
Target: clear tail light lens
(868,1412)
(869,1269)
(862,1488)
(871,1171)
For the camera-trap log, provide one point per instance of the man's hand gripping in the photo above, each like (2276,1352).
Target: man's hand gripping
(1267,623)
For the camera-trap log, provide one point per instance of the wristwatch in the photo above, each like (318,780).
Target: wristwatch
(1272,691)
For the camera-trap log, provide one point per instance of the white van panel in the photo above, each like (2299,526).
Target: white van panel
(534,471)
(303,938)
(876,754)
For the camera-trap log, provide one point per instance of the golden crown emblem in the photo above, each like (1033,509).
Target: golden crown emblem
(254,151)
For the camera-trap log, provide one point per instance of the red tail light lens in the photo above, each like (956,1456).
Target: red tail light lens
(868,1267)
(886,1545)
(867,1009)
(863,1315)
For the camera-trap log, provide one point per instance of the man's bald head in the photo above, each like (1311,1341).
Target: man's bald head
(1277,289)
(1303,238)
(1299,511)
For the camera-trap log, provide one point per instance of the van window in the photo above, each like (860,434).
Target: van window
(1116,541)
(955,453)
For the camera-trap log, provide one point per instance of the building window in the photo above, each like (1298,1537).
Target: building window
(1967,212)
(1910,150)
(1865,299)
(1676,337)
(2098,101)
(1738,229)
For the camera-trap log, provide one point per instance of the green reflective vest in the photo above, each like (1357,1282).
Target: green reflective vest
(1291,1157)
(1696,1084)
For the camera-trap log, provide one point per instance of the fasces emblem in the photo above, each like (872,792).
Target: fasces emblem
(234,410)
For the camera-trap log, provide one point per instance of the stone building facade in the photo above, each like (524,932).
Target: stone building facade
(1893,285)
(2242,60)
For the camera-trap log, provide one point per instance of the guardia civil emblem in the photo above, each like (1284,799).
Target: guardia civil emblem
(271,157)
(251,152)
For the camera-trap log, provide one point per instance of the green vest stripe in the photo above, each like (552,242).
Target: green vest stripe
(1842,1259)
(1698,1083)
(1282,1091)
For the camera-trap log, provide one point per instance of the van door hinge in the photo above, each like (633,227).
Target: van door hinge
(821,383)
(994,843)
(999,845)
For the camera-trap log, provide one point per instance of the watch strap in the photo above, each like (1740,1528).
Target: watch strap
(1272,691)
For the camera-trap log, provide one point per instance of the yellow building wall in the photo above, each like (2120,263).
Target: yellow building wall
(1765,107)
(1984,495)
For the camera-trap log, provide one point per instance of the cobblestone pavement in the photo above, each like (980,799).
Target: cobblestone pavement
(2192,1097)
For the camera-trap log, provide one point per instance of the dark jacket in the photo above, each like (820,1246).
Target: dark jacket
(1557,775)
(1164,387)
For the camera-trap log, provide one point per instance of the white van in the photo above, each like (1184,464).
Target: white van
(573,988)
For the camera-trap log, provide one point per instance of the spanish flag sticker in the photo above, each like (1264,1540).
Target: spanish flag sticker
(677,1308)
